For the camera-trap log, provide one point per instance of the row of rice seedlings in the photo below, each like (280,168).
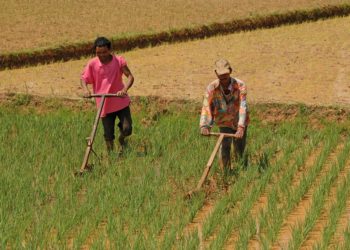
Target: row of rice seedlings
(273,218)
(235,220)
(97,198)
(178,163)
(69,211)
(74,213)
(301,231)
(254,226)
(172,167)
(28,189)
(347,238)
(37,171)
(147,204)
(239,189)
(282,189)
(260,136)
(129,160)
(335,213)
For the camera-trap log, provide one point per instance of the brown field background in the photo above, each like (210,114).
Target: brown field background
(29,25)
(306,63)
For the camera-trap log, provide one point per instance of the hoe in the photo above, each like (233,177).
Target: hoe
(210,162)
(85,167)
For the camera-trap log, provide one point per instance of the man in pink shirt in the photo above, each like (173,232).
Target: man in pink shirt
(104,72)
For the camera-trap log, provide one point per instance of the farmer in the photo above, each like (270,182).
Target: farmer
(225,104)
(104,72)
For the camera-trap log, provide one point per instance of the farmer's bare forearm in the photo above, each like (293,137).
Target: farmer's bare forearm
(84,86)
(130,77)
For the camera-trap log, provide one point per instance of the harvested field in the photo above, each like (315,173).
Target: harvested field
(40,24)
(305,63)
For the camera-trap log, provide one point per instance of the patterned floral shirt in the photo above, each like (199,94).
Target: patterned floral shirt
(225,110)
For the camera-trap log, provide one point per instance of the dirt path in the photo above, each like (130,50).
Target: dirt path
(305,63)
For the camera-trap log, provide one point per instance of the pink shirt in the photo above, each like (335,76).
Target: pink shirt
(107,79)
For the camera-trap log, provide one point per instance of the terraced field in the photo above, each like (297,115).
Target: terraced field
(304,63)
(291,191)
(40,24)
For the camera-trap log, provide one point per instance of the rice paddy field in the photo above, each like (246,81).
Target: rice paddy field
(291,189)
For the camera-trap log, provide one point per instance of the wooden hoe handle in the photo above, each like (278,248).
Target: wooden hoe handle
(103,95)
(225,134)
(92,136)
(210,162)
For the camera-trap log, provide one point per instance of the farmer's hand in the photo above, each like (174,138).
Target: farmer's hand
(240,132)
(205,131)
(122,92)
(87,94)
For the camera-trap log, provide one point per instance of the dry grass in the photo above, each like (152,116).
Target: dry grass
(305,63)
(37,24)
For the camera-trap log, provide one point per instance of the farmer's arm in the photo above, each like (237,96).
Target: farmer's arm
(206,119)
(129,82)
(86,78)
(242,110)
(86,90)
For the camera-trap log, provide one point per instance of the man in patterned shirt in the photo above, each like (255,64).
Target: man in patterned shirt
(225,104)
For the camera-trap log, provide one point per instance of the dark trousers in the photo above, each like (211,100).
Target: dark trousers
(239,146)
(125,123)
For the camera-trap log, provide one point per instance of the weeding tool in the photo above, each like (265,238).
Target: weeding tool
(210,162)
(90,140)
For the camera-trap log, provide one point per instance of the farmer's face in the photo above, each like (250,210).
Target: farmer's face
(224,79)
(103,53)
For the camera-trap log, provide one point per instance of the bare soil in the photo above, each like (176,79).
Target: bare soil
(40,24)
(305,63)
